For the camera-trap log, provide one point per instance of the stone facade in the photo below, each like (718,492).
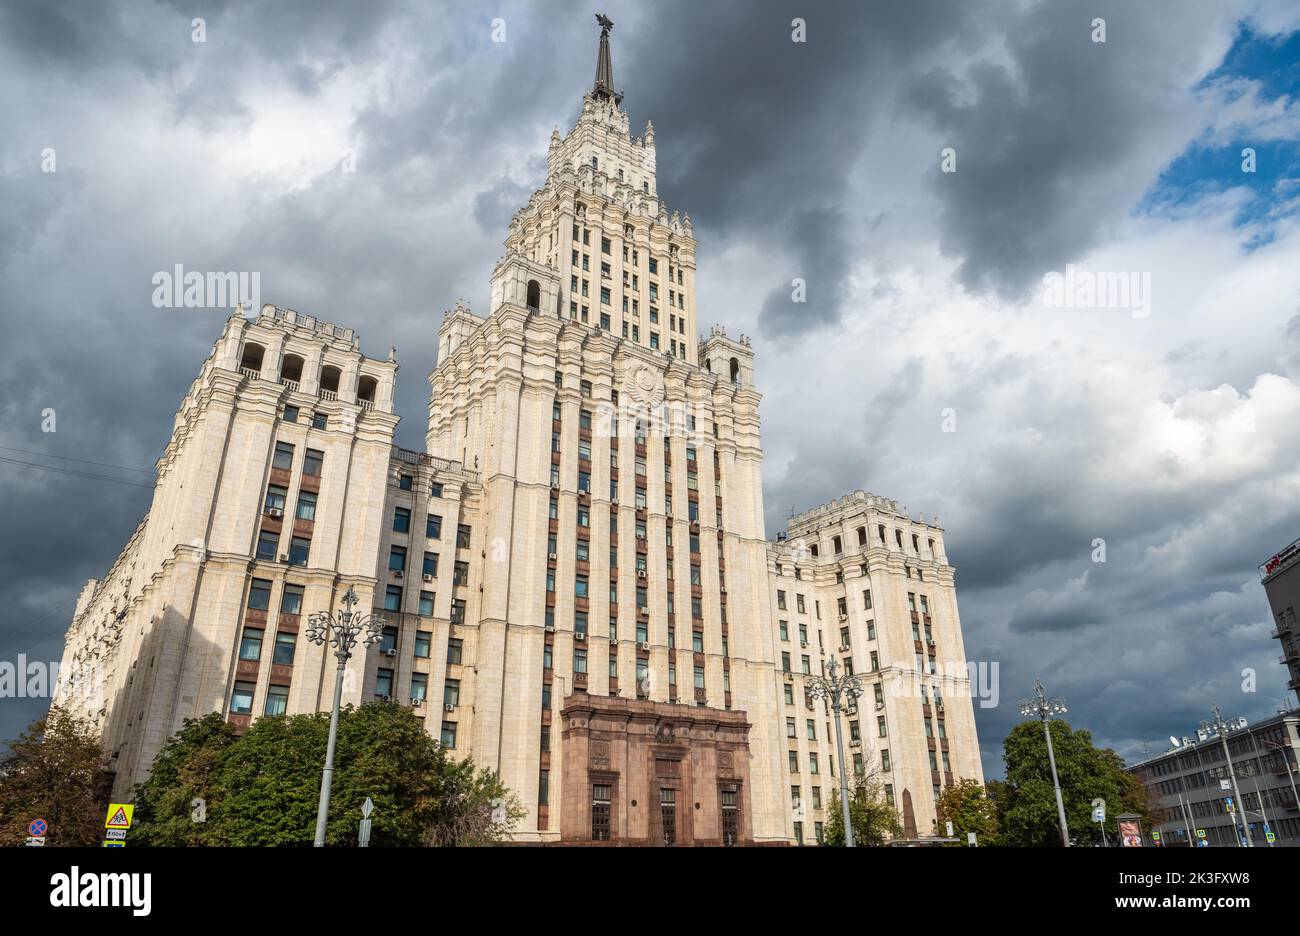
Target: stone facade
(578,588)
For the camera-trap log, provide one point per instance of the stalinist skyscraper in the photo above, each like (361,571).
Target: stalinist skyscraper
(576,579)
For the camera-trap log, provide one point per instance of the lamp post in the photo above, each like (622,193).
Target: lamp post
(1218,725)
(343,630)
(835,687)
(1043,708)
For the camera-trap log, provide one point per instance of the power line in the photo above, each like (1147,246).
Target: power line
(83,461)
(76,474)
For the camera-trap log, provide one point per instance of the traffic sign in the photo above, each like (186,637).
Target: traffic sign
(1270,837)
(36,841)
(948,825)
(115,844)
(37,828)
(367,808)
(119,816)
(115,834)
(1200,833)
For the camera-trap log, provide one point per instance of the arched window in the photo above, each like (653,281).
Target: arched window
(534,295)
(595,163)
(250,362)
(366,388)
(735,371)
(291,369)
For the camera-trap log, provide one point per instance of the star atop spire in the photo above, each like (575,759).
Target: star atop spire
(604,86)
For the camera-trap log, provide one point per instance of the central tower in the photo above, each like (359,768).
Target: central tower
(623,660)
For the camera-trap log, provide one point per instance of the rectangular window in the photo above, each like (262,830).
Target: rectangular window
(267,543)
(311,465)
(433,527)
(259,595)
(600,812)
(426,604)
(454,650)
(423,644)
(283,459)
(285,645)
(462,536)
(401,520)
(448,737)
(299,547)
(250,647)
(241,700)
(306,505)
(277,700)
(419,687)
(396,558)
(291,599)
(393,598)
(458,611)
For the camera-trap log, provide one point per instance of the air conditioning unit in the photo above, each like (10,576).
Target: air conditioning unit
(844,617)
(427,577)
(644,645)
(844,648)
(391,653)
(551,556)
(386,698)
(555,485)
(855,744)
(579,635)
(640,536)
(722,589)
(640,573)
(448,707)
(284,557)
(614,500)
(550,628)
(803,643)
(274,512)
(613,641)
(644,612)
(416,702)
(398,573)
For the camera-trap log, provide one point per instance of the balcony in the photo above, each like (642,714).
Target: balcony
(251,373)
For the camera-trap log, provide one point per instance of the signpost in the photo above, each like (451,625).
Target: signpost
(363,835)
(36,830)
(970,840)
(116,823)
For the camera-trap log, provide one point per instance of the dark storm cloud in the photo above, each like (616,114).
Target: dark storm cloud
(1052,143)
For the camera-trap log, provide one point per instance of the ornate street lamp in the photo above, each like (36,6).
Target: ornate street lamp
(835,688)
(343,631)
(1043,708)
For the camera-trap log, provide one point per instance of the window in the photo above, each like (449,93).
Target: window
(433,527)
(306,505)
(299,547)
(241,700)
(283,459)
(435,489)
(401,520)
(393,598)
(277,700)
(426,604)
(291,414)
(458,611)
(790,731)
(451,692)
(396,558)
(454,650)
(250,646)
(448,738)
(275,498)
(285,645)
(431,564)
(460,574)
(404,482)
(311,465)
(423,643)
(259,595)
(291,599)
(419,687)
(267,543)
(384,684)
(462,536)
(318,420)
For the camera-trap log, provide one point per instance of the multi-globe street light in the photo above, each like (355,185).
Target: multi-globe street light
(1043,708)
(343,630)
(835,688)
(1218,726)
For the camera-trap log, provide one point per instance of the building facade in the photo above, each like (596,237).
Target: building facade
(576,581)
(1280,576)
(1189,787)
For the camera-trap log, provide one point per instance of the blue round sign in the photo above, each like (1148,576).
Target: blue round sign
(36,827)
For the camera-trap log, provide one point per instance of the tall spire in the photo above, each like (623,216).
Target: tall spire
(604,64)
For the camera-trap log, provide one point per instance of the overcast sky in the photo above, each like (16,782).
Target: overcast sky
(1170,435)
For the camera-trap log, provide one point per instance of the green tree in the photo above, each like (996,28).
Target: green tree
(55,771)
(1029,816)
(262,788)
(874,821)
(968,806)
